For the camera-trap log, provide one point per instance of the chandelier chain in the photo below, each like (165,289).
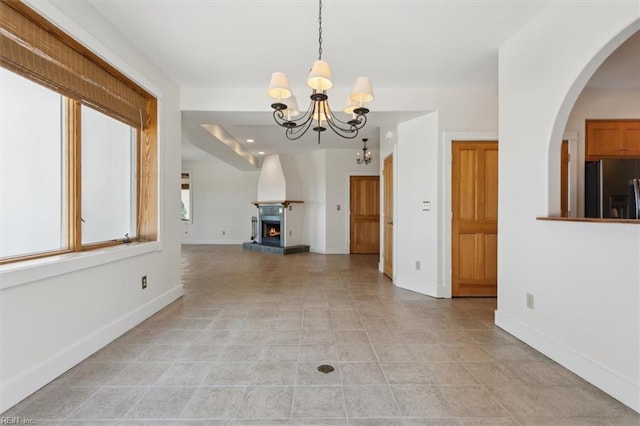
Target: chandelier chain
(320,30)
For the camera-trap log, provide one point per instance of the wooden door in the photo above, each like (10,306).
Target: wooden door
(387,250)
(365,214)
(564,179)
(474,219)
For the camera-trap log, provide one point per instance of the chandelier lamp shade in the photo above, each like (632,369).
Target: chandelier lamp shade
(365,157)
(319,116)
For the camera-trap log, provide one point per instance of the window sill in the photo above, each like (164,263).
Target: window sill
(18,273)
(589,219)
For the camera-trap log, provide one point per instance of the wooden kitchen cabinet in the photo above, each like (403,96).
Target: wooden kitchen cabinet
(612,139)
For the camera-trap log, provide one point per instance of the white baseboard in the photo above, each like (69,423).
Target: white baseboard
(217,242)
(337,250)
(410,283)
(18,388)
(610,382)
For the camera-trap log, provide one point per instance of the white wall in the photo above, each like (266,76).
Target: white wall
(416,170)
(221,200)
(313,172)
(584,276)
(294,225)
(341,164)
(56,312)
(598,104)
(272,185)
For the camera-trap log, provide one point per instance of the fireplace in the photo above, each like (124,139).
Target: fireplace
(277,228)
(271,219)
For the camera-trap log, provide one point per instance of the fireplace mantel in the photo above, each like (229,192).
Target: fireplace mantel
(285,203)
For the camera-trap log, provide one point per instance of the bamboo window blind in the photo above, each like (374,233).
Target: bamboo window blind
(34,48)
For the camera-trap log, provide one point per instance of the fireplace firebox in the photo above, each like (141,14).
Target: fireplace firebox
(271,225)
(271,233)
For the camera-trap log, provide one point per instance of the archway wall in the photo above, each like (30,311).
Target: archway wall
(584,277)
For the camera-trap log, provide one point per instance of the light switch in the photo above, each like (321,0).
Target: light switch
(338,207)
(426,206)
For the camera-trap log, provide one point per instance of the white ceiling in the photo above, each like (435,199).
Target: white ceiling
(397,43)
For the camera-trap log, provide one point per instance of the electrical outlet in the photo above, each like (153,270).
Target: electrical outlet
(529,300)
(417,265)
(144,282)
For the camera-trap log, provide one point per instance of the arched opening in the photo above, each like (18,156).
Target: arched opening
(607,88)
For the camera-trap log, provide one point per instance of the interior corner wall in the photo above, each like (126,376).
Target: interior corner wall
(416,166)
(64,310)
(584,277)
(313,170)
(598,104)
(222,206)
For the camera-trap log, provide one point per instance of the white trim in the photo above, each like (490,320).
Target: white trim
(445,211)
(394,231)
(214,241)
(18,273)
(18,388)
(598,375)
(338,250)
(412,284)
(572,140)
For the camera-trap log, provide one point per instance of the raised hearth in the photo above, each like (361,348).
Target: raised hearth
(275,250)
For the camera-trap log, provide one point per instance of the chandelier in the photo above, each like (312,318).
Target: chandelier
(366,154)
(319,113)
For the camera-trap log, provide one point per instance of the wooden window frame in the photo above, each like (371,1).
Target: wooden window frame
(146,144)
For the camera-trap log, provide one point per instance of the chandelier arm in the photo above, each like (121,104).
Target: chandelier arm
(337,120)
(278,116)
(332,122)
(350,132)
(344,133)
(295,133)
(351,125)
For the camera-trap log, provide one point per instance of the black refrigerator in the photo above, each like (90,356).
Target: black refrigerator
(612,189)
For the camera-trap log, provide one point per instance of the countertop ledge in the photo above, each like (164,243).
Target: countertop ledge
(588,219)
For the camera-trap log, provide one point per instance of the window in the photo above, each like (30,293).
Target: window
(108,178)
(32,165)
(78,145)
(185,196)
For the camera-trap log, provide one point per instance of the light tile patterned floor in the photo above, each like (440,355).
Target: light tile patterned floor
(243,346)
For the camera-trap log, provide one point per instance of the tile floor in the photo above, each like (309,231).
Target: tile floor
(243,346)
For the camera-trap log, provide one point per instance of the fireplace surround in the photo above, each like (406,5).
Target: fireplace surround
(278,227)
